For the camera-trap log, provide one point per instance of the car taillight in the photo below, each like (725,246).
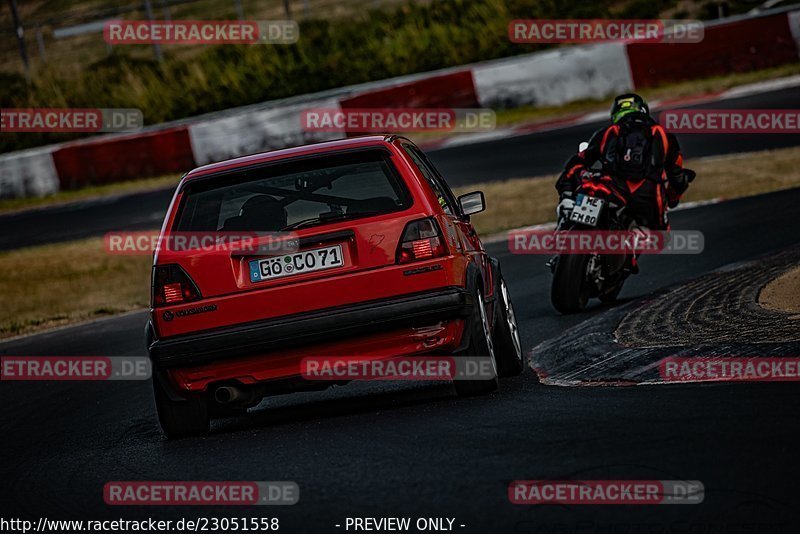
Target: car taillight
(421,240)
(171,285)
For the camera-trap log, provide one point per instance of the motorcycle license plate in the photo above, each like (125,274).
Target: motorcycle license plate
(586,210)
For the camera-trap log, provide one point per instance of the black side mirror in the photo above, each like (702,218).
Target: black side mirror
(472,203)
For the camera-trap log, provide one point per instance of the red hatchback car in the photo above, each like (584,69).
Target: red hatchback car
(384,264)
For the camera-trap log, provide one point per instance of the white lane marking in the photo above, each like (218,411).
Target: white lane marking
(480,137)
(697,204)
(762,87)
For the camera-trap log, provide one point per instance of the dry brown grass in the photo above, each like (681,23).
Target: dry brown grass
(742,175)
(783,293)
(514,203)
(51,285)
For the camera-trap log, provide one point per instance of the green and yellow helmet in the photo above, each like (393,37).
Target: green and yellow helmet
(628,104)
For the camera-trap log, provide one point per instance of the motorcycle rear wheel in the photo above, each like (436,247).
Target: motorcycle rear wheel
(569,292)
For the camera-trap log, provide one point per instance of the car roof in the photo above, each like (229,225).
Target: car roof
(285,153)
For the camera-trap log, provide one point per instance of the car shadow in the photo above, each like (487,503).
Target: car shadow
(310,406)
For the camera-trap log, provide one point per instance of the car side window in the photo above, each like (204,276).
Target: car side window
(430,176)
(448,193)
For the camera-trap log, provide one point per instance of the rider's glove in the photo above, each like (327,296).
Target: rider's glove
(564,207)
(589,175)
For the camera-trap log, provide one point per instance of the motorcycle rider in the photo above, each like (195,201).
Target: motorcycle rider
(641,157)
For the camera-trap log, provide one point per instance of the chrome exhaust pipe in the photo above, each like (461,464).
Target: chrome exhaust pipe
(230,394)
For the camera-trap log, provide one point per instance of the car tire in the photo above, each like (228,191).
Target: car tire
(480,344)
(507,346)
(180,418)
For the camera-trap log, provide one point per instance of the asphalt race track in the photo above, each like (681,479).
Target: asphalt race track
(415,449)
(524,155)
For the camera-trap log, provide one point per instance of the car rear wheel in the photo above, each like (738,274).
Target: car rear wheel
(507,347)
(180,418)
(480,345)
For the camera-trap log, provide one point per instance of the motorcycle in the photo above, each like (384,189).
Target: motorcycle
(599,204)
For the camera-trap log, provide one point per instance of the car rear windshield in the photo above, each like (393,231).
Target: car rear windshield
(303,193)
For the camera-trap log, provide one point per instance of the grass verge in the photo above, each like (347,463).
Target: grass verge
(53,285)
(59,284)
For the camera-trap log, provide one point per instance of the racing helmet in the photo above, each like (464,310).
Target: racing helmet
(628,104)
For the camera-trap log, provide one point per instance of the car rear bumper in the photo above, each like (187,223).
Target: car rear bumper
(312,327)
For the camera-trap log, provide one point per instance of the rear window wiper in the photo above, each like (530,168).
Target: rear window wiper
(328,218)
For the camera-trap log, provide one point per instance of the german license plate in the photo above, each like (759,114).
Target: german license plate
(308,261)
(586,210)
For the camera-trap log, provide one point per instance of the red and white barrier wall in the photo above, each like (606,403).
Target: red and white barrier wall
(454,89)
(553,77)
(125,157)
(740,45)
(236,134)
(28,173)
(547,78)
(794,26)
